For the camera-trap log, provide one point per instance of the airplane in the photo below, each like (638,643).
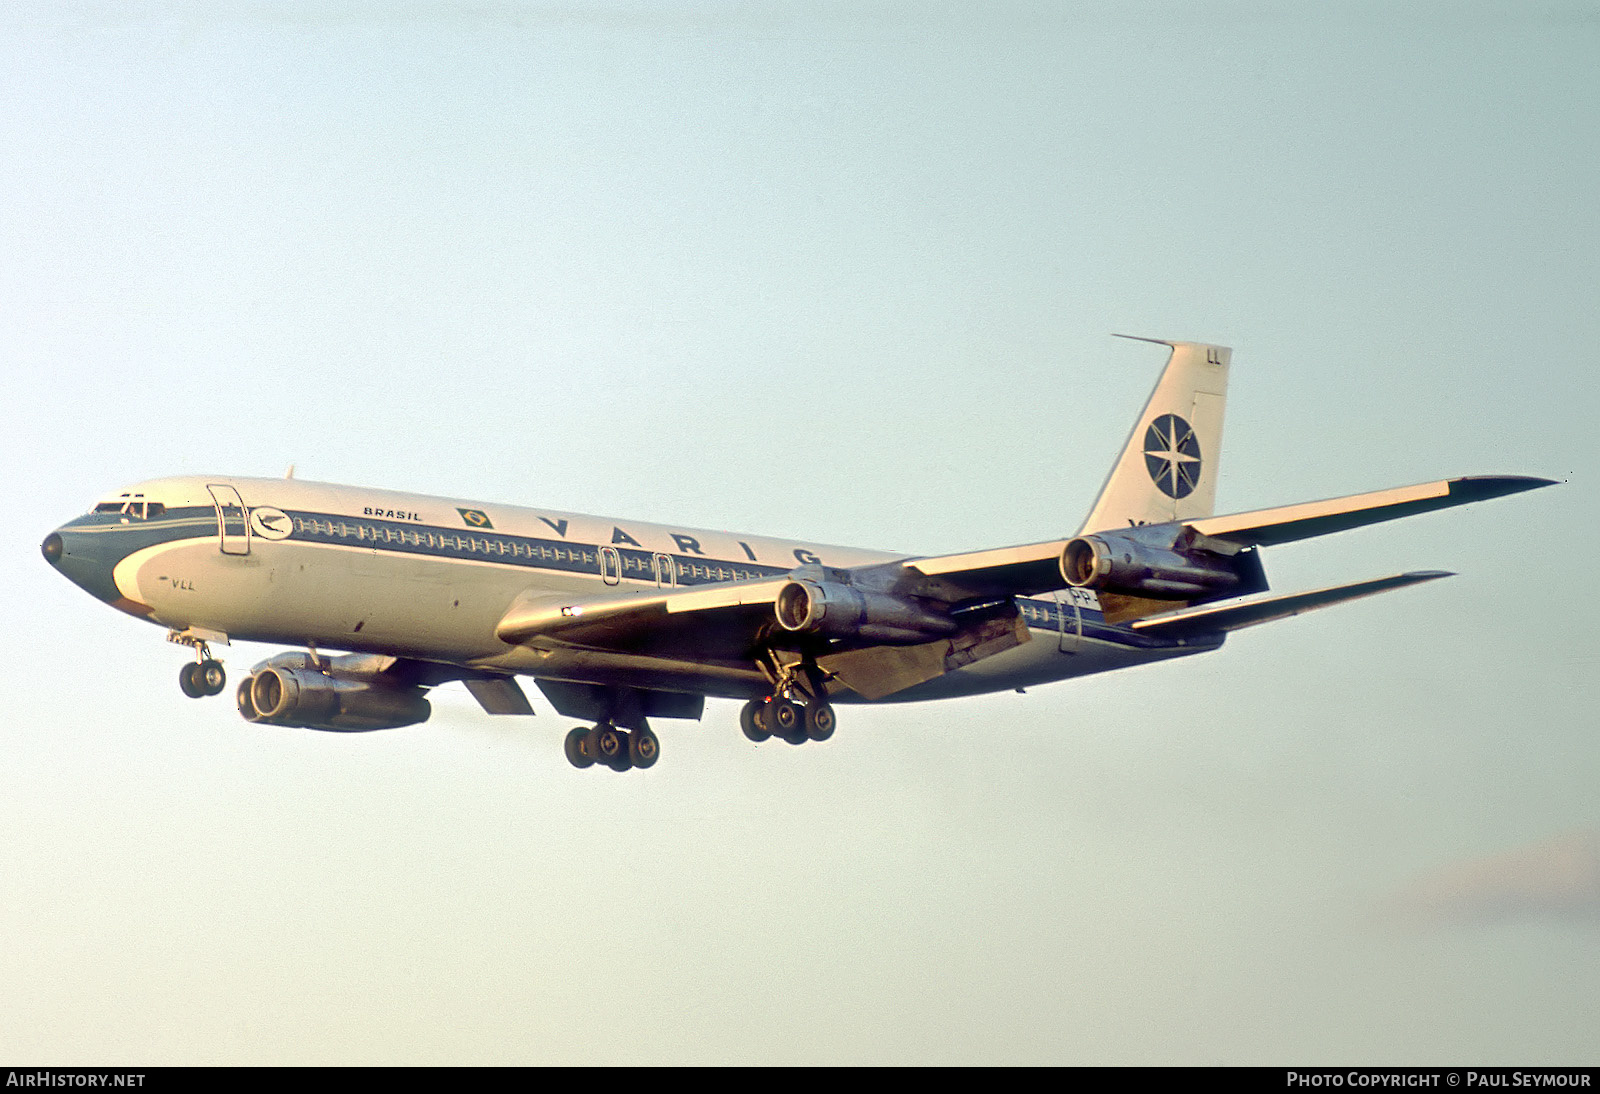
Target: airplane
(620,622)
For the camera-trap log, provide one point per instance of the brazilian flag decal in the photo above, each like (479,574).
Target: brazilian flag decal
(475,517)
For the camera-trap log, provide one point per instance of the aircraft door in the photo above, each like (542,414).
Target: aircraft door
(610,565)
(666,571)
(233,520)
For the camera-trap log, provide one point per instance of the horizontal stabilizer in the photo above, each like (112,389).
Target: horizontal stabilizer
(1265,527)
(1232,617)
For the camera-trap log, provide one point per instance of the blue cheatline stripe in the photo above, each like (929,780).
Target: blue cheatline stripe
(530,552)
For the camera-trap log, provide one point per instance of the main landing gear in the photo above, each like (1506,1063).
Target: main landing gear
(797,711)
(618,749)
(787,719)
(204,676)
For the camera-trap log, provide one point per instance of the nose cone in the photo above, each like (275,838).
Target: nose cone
(86,558)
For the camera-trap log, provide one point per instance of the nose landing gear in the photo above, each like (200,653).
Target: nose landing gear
(205,675)
(200,679)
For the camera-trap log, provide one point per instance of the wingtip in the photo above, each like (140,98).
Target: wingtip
(1483,487)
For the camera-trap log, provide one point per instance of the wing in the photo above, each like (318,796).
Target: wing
(1265,527)
(1002,571)
(881,628)
(1034,568)
(737,622)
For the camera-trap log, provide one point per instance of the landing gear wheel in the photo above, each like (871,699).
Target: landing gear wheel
(785,718)
(578,753)
(611,747)
(643,748)
(753,720)
(820,721)
(210,677)
(189,681)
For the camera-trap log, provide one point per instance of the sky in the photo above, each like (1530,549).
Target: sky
(841,272)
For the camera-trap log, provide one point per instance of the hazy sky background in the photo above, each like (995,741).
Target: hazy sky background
(841,271)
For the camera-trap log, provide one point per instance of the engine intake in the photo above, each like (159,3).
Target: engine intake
(1122,564)
(843,611)
(309,699)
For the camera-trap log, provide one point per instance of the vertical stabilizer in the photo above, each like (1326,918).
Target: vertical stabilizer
(1168,468)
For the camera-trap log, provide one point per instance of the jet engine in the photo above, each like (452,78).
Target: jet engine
(833,610)
(1131,563)
(294,690)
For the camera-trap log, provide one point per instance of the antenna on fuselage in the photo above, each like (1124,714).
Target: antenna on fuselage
(289,474)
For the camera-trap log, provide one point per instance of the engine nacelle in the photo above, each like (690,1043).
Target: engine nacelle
(844,611)
(1121,564)
(284,695)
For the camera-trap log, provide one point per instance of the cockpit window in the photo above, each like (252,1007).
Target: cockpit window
(132,505)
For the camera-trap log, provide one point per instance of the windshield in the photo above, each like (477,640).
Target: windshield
(132,505)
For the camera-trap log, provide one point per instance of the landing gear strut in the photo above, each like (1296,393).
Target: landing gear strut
(618,749)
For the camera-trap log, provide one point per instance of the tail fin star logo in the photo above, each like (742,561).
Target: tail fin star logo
(1172,456)
(475,517)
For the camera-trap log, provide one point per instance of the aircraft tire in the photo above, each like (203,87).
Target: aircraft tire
(785,718)
(610,747)
(577,747)
(644,749)
(820,721)
(189,681)
(752,720)
(211,677)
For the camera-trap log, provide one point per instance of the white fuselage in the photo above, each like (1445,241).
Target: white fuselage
(336,567)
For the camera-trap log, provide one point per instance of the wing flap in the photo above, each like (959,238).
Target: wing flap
(626,707)
(876,672)
(501,695)
(717,621)
(1232,617)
